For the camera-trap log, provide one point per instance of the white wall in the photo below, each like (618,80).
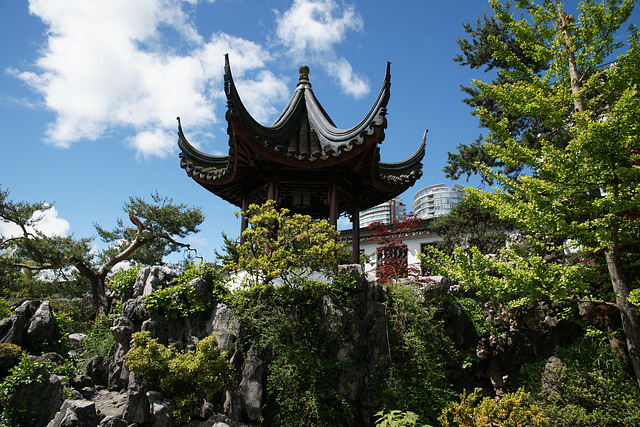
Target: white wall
(413,246)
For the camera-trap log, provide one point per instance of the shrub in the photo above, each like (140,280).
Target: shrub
(284,324)
(122,281)
(513,410)
(397,418)
(416,378)
(594,387)
(289,247)
(5,311)
(73,315)
(99,339)
(187,378)
(179,299)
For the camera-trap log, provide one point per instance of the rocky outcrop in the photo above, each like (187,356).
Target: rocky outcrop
(531,334)
(75,413)
(108,395)
(41,399)
(30,326)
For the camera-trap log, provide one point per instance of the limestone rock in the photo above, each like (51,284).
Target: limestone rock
(30,325)
(75,340)
(43,399)
(75,413)
(149,278)
(160,409)
(98,370)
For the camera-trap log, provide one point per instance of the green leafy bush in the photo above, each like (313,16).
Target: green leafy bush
(179,299)
(284,324)
(513,410)
(26,373)
(475,312)
(285,246)
(397,418)
(99,339)
(5,311)
(187,378)
(73,315)
(416,377)
(122,281)
(594,387)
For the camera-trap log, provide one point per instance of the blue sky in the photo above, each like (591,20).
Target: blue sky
(90,90)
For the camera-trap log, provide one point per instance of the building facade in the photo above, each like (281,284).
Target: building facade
(386,212)
(436,200)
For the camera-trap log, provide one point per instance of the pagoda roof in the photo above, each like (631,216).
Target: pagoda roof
(302,138)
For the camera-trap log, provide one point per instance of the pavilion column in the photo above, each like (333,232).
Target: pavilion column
(333,202)
(244,221)
(272,193)
(355,219)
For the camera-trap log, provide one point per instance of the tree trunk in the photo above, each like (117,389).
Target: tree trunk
(100,299)
(98,288)
(628,312)
(571,58)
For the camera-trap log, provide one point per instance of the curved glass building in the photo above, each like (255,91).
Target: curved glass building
(436,200)
(384,212)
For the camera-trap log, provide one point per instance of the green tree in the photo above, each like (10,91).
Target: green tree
(469,224)
(157,227)
(478,52)
(580,193)
(289,247)
(230,254)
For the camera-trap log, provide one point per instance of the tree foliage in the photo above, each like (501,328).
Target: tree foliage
(580,190)
(284,246)
(469,224)
(479,51)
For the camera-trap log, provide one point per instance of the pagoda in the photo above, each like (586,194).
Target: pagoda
(303,161)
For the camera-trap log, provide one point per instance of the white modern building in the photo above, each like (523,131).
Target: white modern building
(436,200)
(384,212)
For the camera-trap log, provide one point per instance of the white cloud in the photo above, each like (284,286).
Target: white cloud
(256,94)
(310,29)
(49,224)
(136,65)
(351,83)
(316,25)
(110,64)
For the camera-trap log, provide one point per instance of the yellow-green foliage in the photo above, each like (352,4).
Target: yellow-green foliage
(10,350)
(287,246)
(513,410)
(397,418)
(187,378)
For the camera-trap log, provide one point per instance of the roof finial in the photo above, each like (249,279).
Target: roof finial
(304,74)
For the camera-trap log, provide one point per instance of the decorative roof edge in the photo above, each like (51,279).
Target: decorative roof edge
(207,166)
(404,172)
(333,139)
